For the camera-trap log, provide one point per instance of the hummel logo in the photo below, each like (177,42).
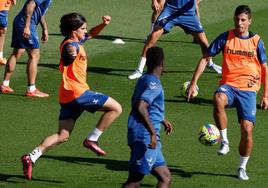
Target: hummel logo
(150,161)
(153,85)
(95,101)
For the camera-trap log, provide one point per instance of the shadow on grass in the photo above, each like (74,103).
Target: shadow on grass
(118,165)
(197,100)
(128,39)
(10,178)
(111,164)
(178,171)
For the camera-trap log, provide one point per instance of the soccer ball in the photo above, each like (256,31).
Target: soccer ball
(209,135)
(184,89)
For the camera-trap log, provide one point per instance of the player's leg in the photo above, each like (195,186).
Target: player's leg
(33,59)
(163,176)
(152,39)
(63,134)
(220,117)
(203,42)
(156,12)
(3,30)
(245,147)
(111,110)
(9,69)
(161,26)
(246,110)
(134,180)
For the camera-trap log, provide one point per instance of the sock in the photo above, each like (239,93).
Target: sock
(6,82)
(243,162)
(1,55)
(142,64)
(210,63)
(31,88)
(223,134)
(94,135)
(35,154)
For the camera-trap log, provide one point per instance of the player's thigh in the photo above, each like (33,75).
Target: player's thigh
(66,127)
(111,105)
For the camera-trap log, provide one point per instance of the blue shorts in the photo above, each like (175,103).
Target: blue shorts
(171,17)
(19,42)
(143,159)
(3,18)
(244,101)
(89,101)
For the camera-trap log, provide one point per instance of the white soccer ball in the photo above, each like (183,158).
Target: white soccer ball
(184,89)
(209,135)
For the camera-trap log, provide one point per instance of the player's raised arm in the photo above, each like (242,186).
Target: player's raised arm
(97,29)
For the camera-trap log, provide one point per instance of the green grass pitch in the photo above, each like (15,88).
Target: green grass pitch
(26,121)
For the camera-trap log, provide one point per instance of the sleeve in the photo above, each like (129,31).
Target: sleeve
(69,53)
(153,89)
(217,45)
(261,52)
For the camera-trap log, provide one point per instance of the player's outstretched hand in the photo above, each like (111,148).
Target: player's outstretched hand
(168,126)
(106,19)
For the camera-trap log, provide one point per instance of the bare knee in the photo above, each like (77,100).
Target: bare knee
(166,179)
(220,100)
(63,137)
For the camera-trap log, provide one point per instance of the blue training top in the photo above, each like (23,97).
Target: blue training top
(40,9)
(150,90)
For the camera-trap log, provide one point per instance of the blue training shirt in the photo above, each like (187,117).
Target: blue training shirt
(182,5)
(149,89)
(218,45)
(40,10)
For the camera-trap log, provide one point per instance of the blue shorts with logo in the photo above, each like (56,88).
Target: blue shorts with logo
(244,101)
(19,42)
(3,18)
(171,17)
(89,101)
(143,159)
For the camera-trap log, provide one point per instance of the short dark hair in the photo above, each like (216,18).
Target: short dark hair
(71,22)
(243,9)
(154,57)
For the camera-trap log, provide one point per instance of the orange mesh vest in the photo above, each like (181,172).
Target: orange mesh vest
(241,67)
(5,4)
(73,83)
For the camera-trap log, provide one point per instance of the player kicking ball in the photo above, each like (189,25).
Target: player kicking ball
(244,68)
(75,97)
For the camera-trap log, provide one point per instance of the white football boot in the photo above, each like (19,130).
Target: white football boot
(216,68)
(224,148)
(136,74)
(242,174)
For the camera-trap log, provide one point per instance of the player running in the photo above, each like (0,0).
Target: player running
(75,97)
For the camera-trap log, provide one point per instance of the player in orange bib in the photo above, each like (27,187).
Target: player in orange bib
(4,8)
(74,95)
(244,68)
